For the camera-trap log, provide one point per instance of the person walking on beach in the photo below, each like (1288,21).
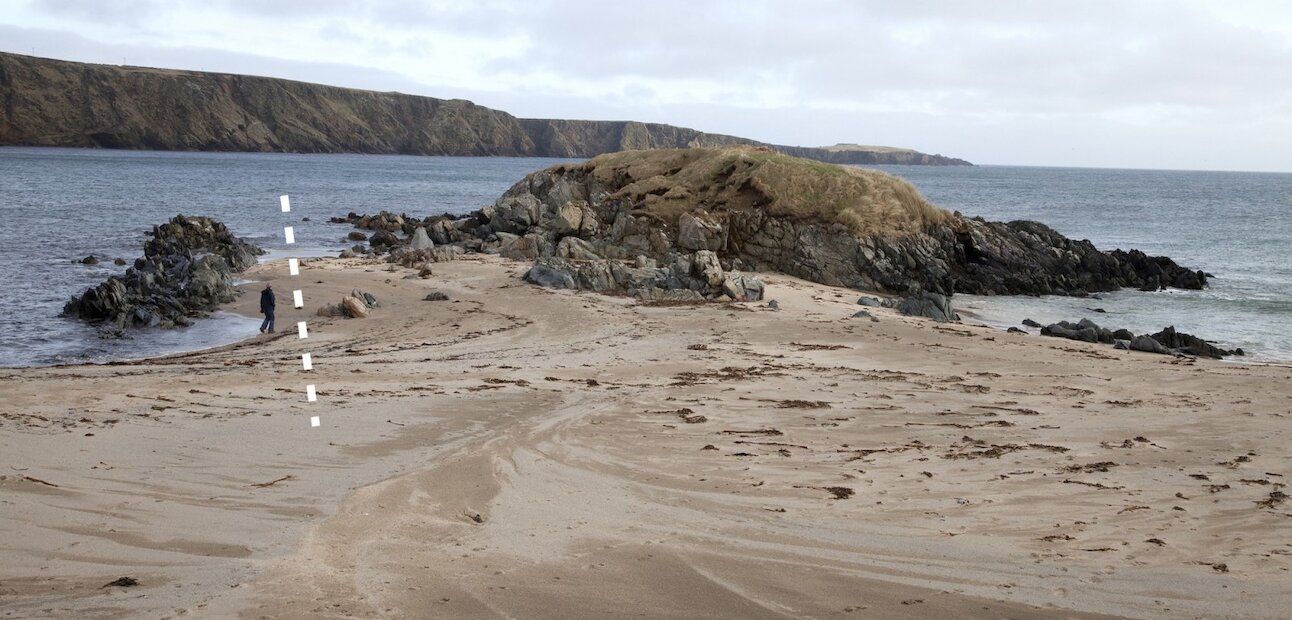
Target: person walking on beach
(267,308)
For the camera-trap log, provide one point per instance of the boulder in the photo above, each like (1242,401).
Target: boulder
(742,287)
(568,220)
(575,248)
(928,304)
(356,236)
(550,276)
(383,238)
(354,308)
(1015,330)
(435,296)
(445,253)
(528,247)
(705,265)
(419,240)
(1031,323)
(330,310)
(89,260)
(697,232)
(869,302)
(1148,345)
(120,262)
(1072,331)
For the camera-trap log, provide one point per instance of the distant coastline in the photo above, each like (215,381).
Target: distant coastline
(50,102)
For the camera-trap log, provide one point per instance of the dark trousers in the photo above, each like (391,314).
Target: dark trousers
(268,325)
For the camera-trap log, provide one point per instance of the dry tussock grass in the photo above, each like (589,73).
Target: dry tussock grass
(667,183)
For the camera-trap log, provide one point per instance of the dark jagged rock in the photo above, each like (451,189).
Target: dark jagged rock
(187,269)
(1193,345)
(1031,323)
(1030,258)
(1148,345)
(1165,342)
(928,304)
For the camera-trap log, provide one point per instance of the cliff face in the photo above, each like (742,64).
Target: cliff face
(58,103)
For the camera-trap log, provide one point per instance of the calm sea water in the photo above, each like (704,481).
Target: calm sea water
(60,205)
(1234,225)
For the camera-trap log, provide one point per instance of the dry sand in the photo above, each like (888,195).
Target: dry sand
(525,453)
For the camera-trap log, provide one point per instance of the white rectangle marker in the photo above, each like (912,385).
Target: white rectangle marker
(306,362)
(314,421)
(294,266)
(298,299)
(286,202)
(291,236)
(310,395)
(302,330)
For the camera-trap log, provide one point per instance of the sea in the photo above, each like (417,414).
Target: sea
(58,206)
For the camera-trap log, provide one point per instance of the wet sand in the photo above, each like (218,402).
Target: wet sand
(522,452)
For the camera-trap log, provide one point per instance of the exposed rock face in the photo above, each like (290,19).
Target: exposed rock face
(702,213)
(187,269)
(58,103)
(760,208)
(930,305)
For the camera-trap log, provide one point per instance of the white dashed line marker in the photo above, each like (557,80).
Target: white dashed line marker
(298,301)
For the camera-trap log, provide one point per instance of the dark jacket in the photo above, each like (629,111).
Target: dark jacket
(266,301)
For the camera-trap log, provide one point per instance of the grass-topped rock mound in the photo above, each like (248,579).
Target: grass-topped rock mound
(696,222)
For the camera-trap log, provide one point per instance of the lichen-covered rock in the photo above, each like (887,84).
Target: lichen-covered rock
(767,212)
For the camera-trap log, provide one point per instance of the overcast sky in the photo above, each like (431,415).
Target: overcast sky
(1151,84)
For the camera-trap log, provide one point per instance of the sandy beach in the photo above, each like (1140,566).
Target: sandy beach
(519,452)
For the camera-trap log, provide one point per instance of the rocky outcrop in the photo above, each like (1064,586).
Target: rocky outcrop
(746,210)
(187,269)
(58,103)
(1165,342)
